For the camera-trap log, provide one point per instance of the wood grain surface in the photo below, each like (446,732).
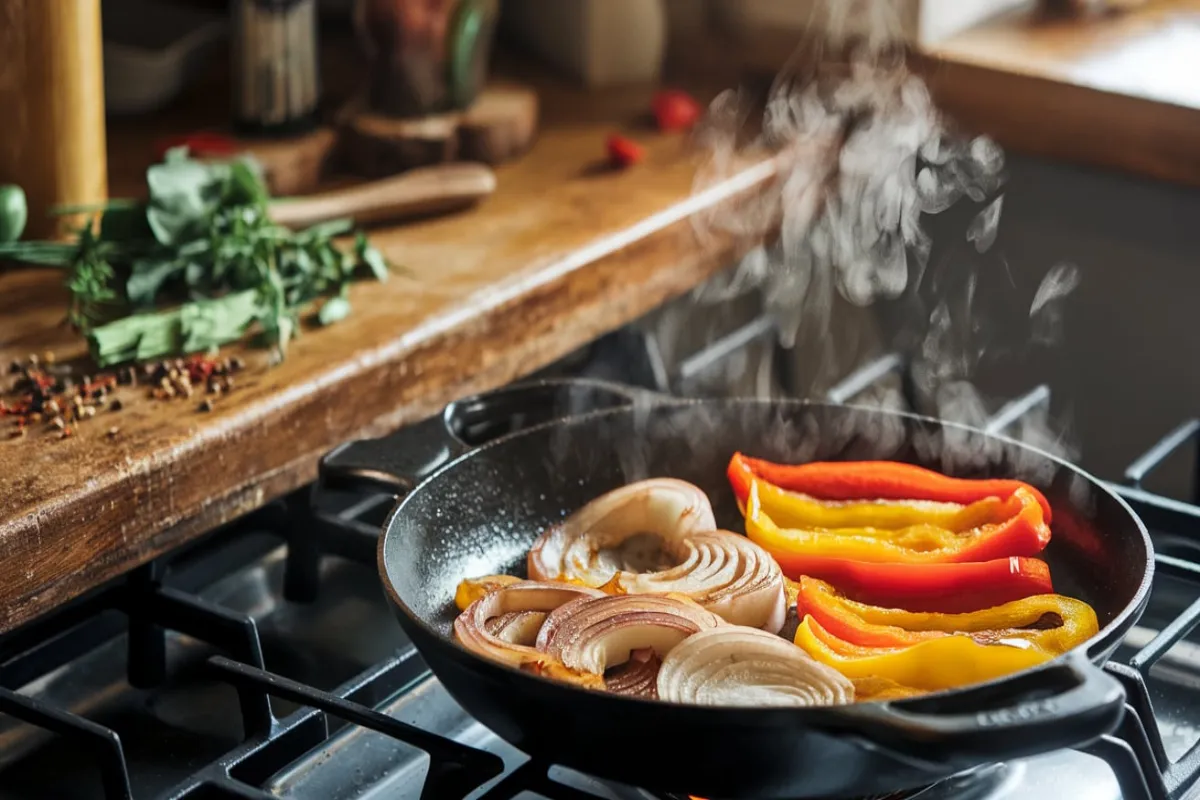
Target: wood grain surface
(562,252)
(1118,91)
(1121,90)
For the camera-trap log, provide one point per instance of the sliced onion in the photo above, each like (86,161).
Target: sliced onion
(571,551)
(519,627)
(590,635)
(502,608)
(637,677)
(736,666)
(471,589)
(726,573)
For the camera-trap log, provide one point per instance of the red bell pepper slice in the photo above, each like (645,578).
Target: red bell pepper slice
(871,480)
(945,588)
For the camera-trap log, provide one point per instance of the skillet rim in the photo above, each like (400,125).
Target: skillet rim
(1127,616)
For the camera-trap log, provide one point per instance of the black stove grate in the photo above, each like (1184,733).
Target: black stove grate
(144,608)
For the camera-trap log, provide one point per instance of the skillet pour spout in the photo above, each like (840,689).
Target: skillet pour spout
(477,510)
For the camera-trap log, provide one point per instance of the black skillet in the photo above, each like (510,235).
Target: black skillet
(480,504)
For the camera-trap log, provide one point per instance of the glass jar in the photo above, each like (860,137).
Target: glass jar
(426,56)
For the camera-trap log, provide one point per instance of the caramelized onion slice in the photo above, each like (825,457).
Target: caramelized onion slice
(518,627)
(571,550)
(471,589)
(592,634)
(726,573)
(736,666)
(502,609)
(637,677)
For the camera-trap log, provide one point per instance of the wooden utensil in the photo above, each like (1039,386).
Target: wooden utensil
(427,190)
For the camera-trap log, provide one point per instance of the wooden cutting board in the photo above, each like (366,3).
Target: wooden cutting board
(500,125)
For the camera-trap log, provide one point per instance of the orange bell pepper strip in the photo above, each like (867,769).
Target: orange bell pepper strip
(1025,533)
(1072,622)
(946,663)
(872,480)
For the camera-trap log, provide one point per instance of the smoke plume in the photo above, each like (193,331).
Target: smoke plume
(866,159)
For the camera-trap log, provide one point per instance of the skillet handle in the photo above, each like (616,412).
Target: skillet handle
(1065,704)
(397,462)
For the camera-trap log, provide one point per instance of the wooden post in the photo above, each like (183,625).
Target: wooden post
(52,105)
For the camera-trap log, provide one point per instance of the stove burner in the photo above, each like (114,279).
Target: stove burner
(347,709)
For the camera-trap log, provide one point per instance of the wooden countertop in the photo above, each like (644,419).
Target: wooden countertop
(1119,91)
(563,252)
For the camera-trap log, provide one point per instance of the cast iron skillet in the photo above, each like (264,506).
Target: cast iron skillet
(479,509)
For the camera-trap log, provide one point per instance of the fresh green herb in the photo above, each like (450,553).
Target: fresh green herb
(189,328)
(334,310)
(204,239)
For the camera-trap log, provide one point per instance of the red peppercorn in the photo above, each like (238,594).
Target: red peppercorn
(623,152)
(675,110)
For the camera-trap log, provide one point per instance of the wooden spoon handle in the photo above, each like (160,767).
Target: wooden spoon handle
(426,190)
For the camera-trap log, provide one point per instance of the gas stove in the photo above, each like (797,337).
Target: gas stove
(263,662)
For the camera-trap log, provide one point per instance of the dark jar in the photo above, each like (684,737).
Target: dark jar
(426,56)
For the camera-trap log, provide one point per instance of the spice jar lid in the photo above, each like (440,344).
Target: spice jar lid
(469,42)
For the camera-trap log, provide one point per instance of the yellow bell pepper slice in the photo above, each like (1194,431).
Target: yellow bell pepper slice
(875,626)
(935,665)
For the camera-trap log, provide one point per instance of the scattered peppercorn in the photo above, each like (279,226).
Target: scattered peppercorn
(54,395)
(206,405)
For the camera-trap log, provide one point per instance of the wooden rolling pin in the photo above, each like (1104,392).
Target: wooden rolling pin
(52,93)
(418,192)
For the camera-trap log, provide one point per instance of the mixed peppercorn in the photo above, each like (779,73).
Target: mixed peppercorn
(47,398)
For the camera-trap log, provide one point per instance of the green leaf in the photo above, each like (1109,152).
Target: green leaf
(374,260)
(328,229)
(182,194)
(210,323)
(245,183)
(148,277)
(335,309)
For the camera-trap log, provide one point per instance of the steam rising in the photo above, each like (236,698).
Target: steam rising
(865,158)
(864,155)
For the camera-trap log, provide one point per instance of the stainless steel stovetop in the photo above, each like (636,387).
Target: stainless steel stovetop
(229,672)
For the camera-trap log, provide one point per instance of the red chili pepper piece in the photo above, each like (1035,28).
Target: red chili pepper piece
(945,588)
(202,144)
(675,110)
(623,152)
(871,480)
